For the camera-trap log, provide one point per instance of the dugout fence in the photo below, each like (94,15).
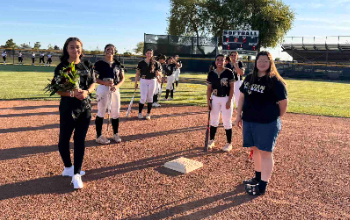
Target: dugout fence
(201,65)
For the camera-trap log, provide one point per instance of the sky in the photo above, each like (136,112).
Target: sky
(124,23)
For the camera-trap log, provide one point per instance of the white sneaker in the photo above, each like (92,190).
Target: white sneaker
(165,99)
(170,99)
(77,182)
(117,138)
(158,105)
(227,147)
(211,144)
(69,171)
(148,116)
(140,116)
(155,104)
(102,140)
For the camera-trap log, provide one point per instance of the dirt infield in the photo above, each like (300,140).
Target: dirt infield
(127,180)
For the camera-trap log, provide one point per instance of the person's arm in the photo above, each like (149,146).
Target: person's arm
(283,106)
(238,121)
(122,81)
(228,103)
(105,83)
(239,71)
(137,76)
(209,90)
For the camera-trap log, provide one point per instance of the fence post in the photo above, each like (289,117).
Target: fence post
(13,56)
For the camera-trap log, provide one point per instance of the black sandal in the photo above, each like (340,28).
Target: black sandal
(253,190)
(252,181)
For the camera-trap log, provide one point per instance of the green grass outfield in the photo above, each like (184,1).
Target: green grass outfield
(316,97)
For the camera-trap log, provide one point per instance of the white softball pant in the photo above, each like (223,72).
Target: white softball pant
(169,82)
(147,88)
(237,92)
(158,88)
(218,107)
(104,96)
(177,75)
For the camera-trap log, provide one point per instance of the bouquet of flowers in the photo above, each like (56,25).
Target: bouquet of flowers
(67,80)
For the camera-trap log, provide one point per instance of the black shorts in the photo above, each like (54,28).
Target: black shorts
(41,59)
(20,59)
(4,58)
(49,60)
(33,59)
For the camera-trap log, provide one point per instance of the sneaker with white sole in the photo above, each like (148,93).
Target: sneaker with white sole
(77,182)
(102,140)
(165,99)
(211,144)
(117,138)
(69,171)
(158,105)
(170,99)
(148,116)
(140,116)
(154,104)
(227,147)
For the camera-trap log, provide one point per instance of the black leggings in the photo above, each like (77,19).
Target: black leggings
(80,127)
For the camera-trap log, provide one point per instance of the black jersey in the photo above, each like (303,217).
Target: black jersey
(145,69)
(220,82)
(105,70)
(87,78)
(169,69)
(260,99)
(231,67)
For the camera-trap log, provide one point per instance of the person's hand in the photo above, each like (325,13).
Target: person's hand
(113,88)
(238,121)
(136,85)
(228,104)
(78,93)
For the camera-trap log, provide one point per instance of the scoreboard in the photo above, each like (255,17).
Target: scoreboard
(243,41)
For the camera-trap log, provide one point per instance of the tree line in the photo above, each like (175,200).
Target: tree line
(272,18)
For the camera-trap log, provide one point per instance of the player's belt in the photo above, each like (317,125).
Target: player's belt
(220,95)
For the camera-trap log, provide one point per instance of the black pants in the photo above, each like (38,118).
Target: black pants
(80,127)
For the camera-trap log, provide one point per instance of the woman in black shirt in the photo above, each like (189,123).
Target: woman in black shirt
(147,70)
(220,84)
(110,76)
(262,103)
(75,110)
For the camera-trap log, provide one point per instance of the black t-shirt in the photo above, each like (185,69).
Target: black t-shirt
(145,70)
(231,67)
(169,69)
(260,99)
(104,70)
(87,77)
(220,83)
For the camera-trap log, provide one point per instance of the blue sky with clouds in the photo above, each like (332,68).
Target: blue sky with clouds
(124,23)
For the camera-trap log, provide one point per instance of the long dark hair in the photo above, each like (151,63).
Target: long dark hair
(65,55)
(152,62)
(270,72)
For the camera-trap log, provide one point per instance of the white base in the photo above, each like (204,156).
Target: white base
(183,165)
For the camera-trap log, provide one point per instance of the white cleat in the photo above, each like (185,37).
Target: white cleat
(102,140)
(140,116)
(77,182)
(211,144)
(227,147)
(69,171)
(148,117)
(117,138)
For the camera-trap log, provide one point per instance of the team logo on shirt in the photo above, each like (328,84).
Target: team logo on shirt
(224,82)
(254,87)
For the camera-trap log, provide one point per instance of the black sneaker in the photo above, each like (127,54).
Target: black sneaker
(252,181)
